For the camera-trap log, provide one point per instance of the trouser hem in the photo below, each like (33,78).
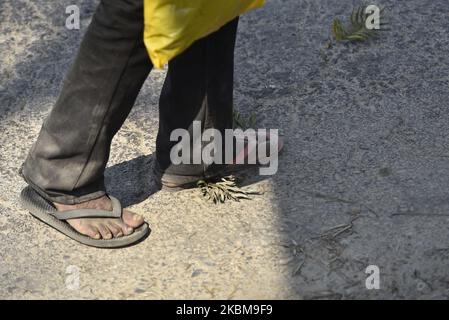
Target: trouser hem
(91,192)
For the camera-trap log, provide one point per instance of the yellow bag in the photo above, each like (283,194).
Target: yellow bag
(171,26)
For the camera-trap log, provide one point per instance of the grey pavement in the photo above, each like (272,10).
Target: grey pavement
(364,179)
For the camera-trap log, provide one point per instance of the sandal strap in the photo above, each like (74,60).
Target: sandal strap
(90,213)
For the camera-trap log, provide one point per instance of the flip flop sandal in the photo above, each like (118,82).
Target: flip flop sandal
(174,182)
(45,211)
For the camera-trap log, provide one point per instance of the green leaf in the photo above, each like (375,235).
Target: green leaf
(242,123)
(357,31)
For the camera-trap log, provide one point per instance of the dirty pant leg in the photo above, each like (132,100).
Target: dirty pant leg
(67,162)
(199,86)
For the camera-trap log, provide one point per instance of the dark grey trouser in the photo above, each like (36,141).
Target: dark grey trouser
(67,162)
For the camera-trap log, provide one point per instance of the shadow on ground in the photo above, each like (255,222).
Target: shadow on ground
(363,180)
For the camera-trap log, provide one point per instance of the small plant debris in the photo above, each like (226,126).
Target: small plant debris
(242,123)
(357,30)
(224,188)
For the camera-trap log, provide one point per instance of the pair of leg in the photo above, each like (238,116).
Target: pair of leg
(67,162)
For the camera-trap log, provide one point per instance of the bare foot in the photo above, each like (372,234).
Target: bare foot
(102,228)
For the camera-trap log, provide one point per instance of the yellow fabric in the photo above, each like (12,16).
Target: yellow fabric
(171,26)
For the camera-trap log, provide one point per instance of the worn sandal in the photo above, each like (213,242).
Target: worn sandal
(45,211)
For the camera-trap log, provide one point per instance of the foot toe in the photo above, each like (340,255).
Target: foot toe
(124,228)
(127,230)
(132,219)
(115,229)
(105,232)
(92,232)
